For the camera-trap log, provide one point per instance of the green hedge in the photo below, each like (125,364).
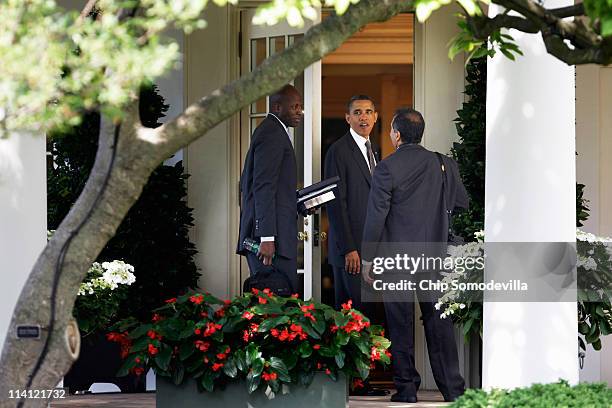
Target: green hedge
(556,395)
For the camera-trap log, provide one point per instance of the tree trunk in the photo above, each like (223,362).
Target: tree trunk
(123,164)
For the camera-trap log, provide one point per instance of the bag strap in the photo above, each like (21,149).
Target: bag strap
(449,212)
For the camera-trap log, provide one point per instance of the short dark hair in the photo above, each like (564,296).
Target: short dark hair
(410,125)
(279,96)
(359,98)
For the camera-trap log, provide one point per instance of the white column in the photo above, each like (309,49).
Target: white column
(23,216)
(530,197)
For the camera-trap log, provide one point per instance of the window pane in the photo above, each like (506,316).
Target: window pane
(258,55)
(255,122)
(277,44)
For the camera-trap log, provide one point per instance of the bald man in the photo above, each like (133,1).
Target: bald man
(268,183)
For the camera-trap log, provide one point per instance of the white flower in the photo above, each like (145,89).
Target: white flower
(113,273)
(461,306)
(437,305)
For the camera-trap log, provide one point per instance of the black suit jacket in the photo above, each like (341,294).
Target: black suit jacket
(347,213)
(406,203)
(267,184)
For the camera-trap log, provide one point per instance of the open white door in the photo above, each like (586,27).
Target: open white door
(259,43)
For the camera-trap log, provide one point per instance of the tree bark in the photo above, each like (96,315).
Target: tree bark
(124,161)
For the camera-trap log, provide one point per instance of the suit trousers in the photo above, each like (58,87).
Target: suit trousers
(286,266)
(440,337)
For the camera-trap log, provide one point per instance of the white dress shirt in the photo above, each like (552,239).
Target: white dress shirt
(361,142)
(271,239)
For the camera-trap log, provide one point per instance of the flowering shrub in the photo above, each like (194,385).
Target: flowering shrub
(100,294)
(266,339)
(594,272)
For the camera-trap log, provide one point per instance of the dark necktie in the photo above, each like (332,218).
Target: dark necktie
(371,159)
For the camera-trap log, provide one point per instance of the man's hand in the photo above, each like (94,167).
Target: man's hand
(366,271)
(352,263)
(266,252)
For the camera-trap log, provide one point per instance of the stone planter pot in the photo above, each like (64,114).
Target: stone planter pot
(322,393)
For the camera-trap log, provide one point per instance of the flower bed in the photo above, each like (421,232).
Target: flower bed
(264,339)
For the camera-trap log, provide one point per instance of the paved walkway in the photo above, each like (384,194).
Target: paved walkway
(427,399)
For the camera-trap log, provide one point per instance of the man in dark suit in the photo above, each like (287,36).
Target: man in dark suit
(352,159)
(407,205)
(268,182)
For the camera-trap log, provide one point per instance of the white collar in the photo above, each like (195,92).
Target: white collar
(360,140)
(281,122)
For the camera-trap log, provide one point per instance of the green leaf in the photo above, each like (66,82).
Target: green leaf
(162,359)
(362,367)
(271,323)
(252,381)
(252,353)
(304,349)
(342,338)
(178,374)
(230,368)
(305,377)
(257,366)
(207,381)
(185,351)
(140,331)
(319,325)
(280,368)
(340,358)
(310,330)
(240,358)
(326,352)
(290,360)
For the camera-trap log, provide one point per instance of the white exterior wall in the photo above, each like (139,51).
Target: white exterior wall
(23,216)
(207,62)
(530,197)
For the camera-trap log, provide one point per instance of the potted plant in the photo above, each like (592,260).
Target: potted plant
(97,304)
(257,348)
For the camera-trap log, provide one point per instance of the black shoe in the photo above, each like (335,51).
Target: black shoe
(397,397)
(451,399)
(369,392)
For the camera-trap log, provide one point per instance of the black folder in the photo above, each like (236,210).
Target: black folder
(314,196)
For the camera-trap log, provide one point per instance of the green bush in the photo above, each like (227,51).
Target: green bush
(153,237)
(556,395)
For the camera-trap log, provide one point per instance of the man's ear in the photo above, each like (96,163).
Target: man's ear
(375,116)
(275,108)
(347,118)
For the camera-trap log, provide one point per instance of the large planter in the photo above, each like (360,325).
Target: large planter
(322,393)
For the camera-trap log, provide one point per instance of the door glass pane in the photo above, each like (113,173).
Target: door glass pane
(298,144)
(277,44)
(255,122)
(258,55)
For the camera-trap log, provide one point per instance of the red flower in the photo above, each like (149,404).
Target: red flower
(254,327)
(348,305)
(295,296)
(357,383)
(374,354)
(123,341)
(202,345)
(217,366)
(262,300)
(319,365)
(333,328)
(269,376)
(284,335)
(327,371)
(316,346)
(153,350)
(267,291)
(255,291)
(151,334)
(220,312)
(247,315)
(171,300)
(211,328)
(137,359)
(274,332)
(227,301)
(204,314)
(388,353)
(197,331)
(221,356)
(156,318)
(138,371)
(197,299)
